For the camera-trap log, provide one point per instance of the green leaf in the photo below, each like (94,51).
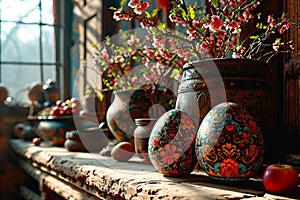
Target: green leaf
(283,15)
(148,15)
(101,96)
(278,40)
(258,15)
(215,3)
(112,8)
(253,37)
(123,3)
(293,23)
(154,12)
(183,13)
(191,13)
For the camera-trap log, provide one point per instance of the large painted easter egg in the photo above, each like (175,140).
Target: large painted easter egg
(171,144)
(229,144)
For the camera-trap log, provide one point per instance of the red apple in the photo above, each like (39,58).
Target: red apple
(280,178)
(36,141)
(55,111)
(59,103)
(75,100)
(67,110)
(75,108)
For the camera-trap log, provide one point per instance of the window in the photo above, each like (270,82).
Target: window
(30,32)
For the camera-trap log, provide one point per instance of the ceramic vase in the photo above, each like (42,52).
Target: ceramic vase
(129,105)
(141,137)
(207,83)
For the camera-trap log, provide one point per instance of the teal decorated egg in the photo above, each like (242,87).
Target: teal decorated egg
(229,144)
(171,144)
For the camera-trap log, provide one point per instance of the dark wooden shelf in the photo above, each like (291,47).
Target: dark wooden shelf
(78,175)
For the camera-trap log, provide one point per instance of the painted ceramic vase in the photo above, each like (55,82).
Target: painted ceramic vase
(53,129)
(207,83)
(229,144)
(171,144)
(120,116)
(131,104)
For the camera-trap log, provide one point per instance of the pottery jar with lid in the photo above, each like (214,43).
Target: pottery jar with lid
(141,137)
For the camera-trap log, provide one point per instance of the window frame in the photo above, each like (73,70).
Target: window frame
(62,34)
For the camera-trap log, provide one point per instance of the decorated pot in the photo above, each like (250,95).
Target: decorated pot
(141,137)
(171,144)
(131,104)
(207,83)
(229,144)
(53,129)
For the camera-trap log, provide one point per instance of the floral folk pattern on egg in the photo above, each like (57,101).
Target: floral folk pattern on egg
(229,144)
(171,144)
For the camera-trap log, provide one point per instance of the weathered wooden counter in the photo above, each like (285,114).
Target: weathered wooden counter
(60,174)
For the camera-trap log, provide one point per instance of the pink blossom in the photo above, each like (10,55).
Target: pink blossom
(271,21)
(104,54)
(127,54)
(192,33)
(206,25)
(127,68)
(234,39)
(196,23)
(117,15)
(232,4)
(276,46)
(215,18)
(119,59)
(216,23)
(145,60)
(284,28)
(148,52)
(232,25)
(219,42)
(222,34)
(256,4)
(204,46)
(153,77)
(241,18)
(246,15)
(133,40)
(134,79)
(141,8)
(134,3)
(181,53)
(149,65)
(236,55)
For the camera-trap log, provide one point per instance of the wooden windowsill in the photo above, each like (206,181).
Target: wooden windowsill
(79,175)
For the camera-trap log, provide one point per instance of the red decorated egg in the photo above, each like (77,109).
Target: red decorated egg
(171,144)
(229,143)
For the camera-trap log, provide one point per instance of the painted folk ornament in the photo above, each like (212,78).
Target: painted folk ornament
(171,144)
(229,144)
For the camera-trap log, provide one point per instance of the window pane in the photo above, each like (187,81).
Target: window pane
(17,78)
(47,11)
(20,42)
(48,44)
(49,72)
(20,10)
